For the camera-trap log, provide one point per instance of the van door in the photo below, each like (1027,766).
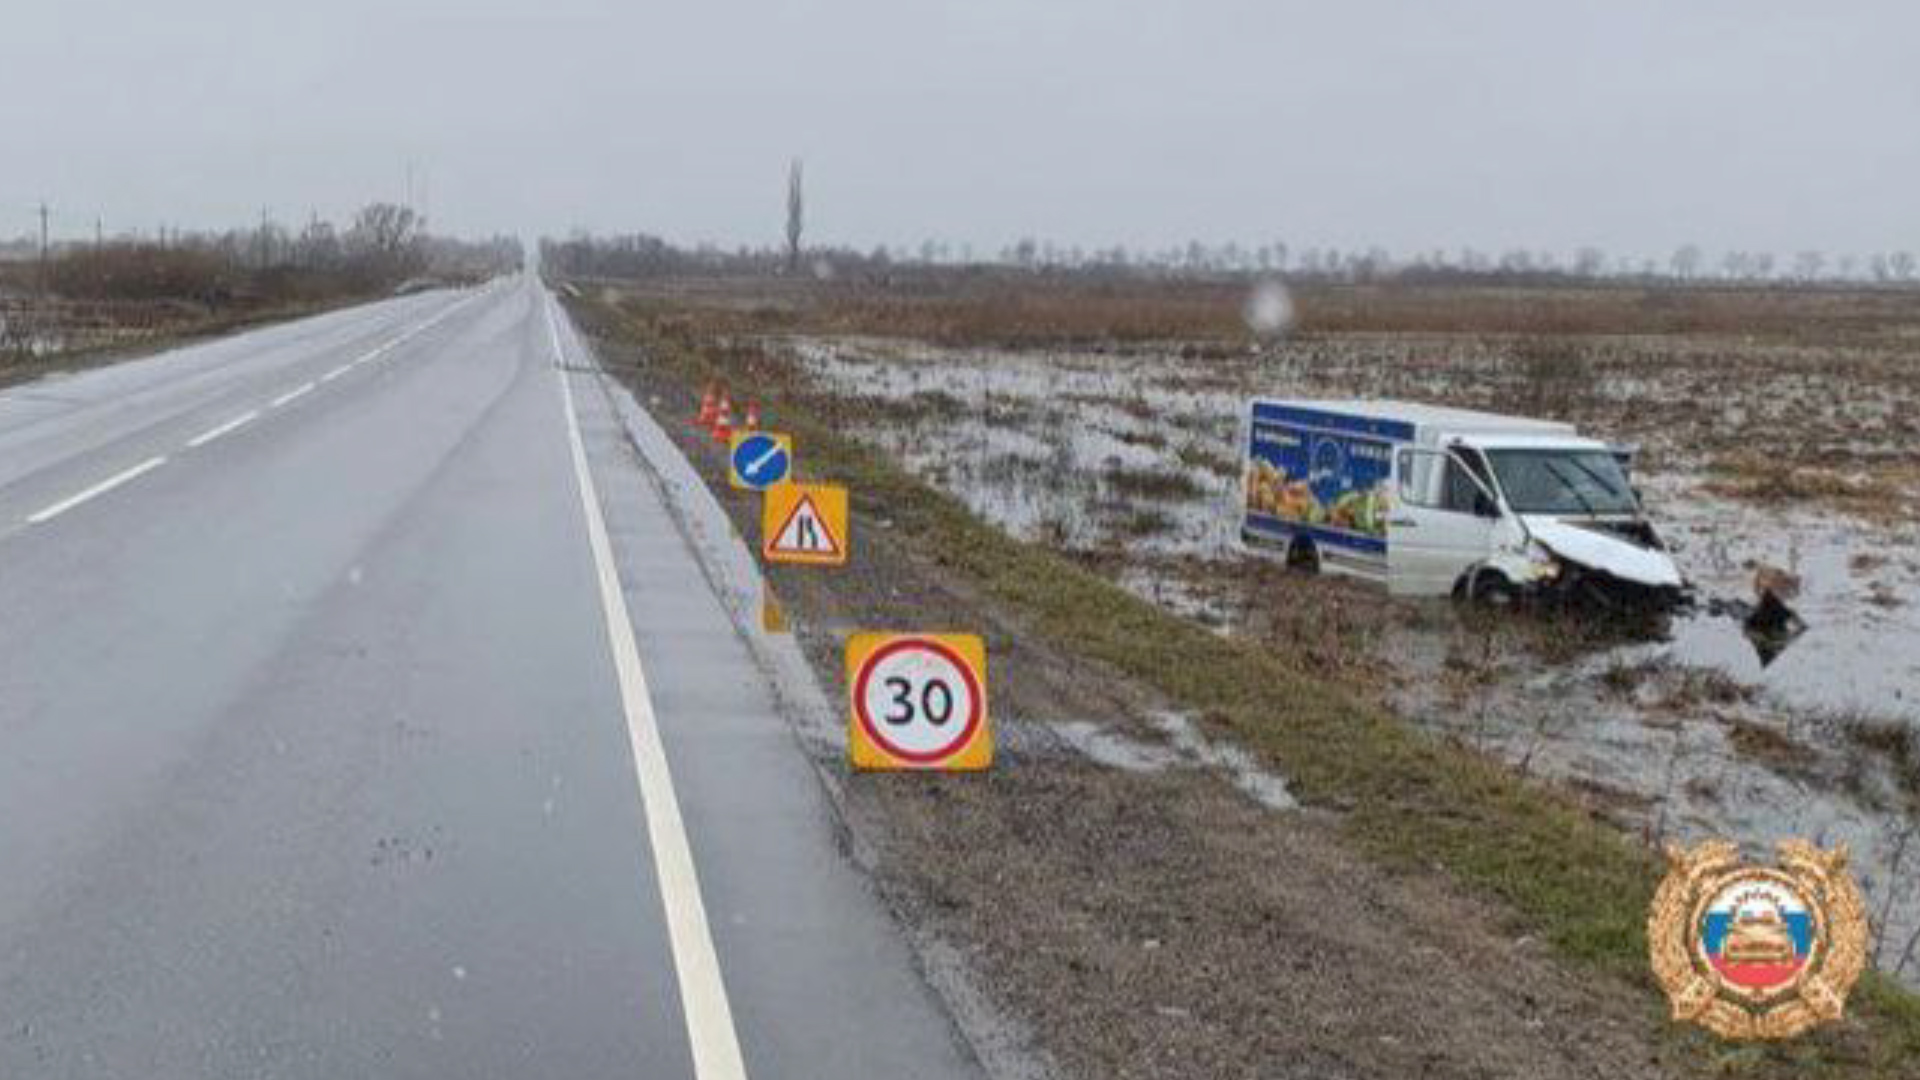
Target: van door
(1442,523)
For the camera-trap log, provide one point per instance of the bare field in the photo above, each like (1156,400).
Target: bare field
(1001,307)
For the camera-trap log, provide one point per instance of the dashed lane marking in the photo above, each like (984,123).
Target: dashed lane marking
(291,396)
(97,490)
(227,428)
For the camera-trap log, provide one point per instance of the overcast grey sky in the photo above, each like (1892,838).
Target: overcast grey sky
(1634,125)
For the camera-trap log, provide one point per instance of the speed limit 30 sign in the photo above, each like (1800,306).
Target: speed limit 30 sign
(918,701)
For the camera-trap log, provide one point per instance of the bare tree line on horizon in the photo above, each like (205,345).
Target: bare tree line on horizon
(382,244)
(641,254)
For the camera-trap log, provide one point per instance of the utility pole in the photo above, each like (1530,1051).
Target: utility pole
(99,232)
(43,251)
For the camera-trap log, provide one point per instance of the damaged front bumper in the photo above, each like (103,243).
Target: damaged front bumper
(1585,586)
(1608,565)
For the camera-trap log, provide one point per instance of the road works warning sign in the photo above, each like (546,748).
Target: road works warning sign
(805,523)
(918,701)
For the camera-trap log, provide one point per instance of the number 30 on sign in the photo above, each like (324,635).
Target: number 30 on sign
(918,701)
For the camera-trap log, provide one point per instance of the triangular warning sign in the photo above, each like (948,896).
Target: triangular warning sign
(805,532)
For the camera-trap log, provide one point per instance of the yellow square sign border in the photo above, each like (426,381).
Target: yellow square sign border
(781,500)
(865,756)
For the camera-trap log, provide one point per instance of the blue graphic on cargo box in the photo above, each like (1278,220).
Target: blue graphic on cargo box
(1323,475)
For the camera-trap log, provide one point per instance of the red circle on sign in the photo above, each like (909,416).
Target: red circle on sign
(975,698)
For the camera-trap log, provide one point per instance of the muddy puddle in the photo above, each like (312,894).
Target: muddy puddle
(1860,597)
(1176,742)
(1131,459)
(1088,453)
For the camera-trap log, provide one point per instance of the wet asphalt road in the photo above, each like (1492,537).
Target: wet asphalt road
(314,760)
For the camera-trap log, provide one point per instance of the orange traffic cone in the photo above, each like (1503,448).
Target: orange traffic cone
(709,402)
(723,422)
(753,416)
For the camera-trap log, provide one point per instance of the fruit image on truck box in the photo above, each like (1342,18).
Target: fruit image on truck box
(1321,475)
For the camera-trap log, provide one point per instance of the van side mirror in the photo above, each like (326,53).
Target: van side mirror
(1484,506)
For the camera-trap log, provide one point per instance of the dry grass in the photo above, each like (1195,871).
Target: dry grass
(1163,485)
(1894,742)
(1773,311)
(1014,309)
(1874,491)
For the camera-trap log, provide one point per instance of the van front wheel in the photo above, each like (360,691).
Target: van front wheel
(1492,589)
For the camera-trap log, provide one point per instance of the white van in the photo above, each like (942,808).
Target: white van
(1437,501)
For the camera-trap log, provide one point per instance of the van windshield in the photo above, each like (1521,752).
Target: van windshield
(1563,482)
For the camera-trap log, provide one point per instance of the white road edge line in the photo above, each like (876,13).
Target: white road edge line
(703,993)
(336,373)
(98,489)
(292,395)
(227,428)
